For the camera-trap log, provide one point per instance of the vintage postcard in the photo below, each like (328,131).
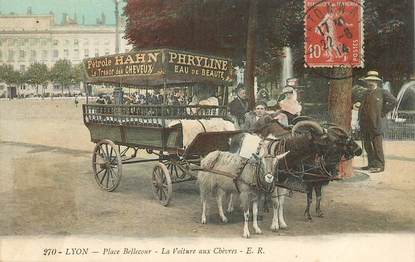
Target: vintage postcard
(159,130)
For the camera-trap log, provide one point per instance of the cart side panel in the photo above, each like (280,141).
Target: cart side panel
(174,137)
(99,132)
(144,136)
(156,137)
(151,137)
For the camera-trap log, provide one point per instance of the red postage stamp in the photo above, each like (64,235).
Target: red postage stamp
(333,33)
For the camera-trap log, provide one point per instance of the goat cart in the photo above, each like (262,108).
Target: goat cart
(177,136)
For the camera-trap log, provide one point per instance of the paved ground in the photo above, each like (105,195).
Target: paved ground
(47,187)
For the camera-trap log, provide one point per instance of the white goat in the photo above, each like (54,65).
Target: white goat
(221,183)
(245,145)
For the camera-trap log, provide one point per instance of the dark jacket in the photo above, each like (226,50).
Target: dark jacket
(238,108)
(375,105)
(251,122)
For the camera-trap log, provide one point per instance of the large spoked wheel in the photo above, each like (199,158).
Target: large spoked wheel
(162,187)
(107,165)
(176,170)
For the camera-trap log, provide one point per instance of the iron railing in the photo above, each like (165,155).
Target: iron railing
(400,128)
(146,115)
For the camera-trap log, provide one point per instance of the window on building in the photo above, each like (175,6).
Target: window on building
(55,53)
(66,53)
(10,57)
(76,53)
(55,42)
(44,54)
(96,52)
(66,42)
(107,42)
(34,42)
(107,52)
(33,55)
(44,42)
(22,54)
(86,52)
(22,68)
(76,42)
(86,42)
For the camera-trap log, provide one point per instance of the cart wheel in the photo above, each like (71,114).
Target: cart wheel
(176,169)
(107,165)
(162,187)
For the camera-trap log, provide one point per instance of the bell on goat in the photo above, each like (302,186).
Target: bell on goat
(269,178)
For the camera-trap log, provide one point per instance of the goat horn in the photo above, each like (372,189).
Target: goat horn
(344,132)
(308,123)
(281,156)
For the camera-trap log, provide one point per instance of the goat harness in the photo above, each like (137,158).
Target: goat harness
(255,161)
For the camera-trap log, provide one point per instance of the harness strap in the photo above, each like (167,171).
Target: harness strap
(236,179)
(222,173)
(203,126)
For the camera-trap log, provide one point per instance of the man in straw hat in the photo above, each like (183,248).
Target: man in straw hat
(376,103)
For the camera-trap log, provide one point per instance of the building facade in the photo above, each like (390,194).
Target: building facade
(25,39)
(37,38)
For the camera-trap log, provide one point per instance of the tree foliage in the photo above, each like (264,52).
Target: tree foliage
(78,73)
(220,27)
(61,73)
(37,74)
(11,76)
(202,25)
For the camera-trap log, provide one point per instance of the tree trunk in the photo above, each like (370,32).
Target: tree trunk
(251,54)
(340,108)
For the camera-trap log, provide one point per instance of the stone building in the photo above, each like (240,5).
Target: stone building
(25,39)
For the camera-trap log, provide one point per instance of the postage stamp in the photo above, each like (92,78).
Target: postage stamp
(333,33)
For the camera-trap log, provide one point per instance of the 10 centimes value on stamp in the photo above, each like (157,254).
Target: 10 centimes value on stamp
(333,33)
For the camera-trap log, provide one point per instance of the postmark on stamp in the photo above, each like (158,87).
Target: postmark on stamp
(333,33)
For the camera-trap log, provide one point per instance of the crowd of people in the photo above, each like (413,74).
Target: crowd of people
(176,98)
(284,110)
(134,98)
(371,103)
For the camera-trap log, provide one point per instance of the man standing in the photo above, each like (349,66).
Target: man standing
(376,103)
(239,106)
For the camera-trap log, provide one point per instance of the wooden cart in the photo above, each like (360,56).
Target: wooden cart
(120,130)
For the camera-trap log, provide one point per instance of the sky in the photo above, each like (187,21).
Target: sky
(91,9)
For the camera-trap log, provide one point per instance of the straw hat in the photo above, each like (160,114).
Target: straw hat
(287,89)
(372,75)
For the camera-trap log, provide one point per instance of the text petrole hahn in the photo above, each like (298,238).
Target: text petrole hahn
(163,251)
(147,63)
